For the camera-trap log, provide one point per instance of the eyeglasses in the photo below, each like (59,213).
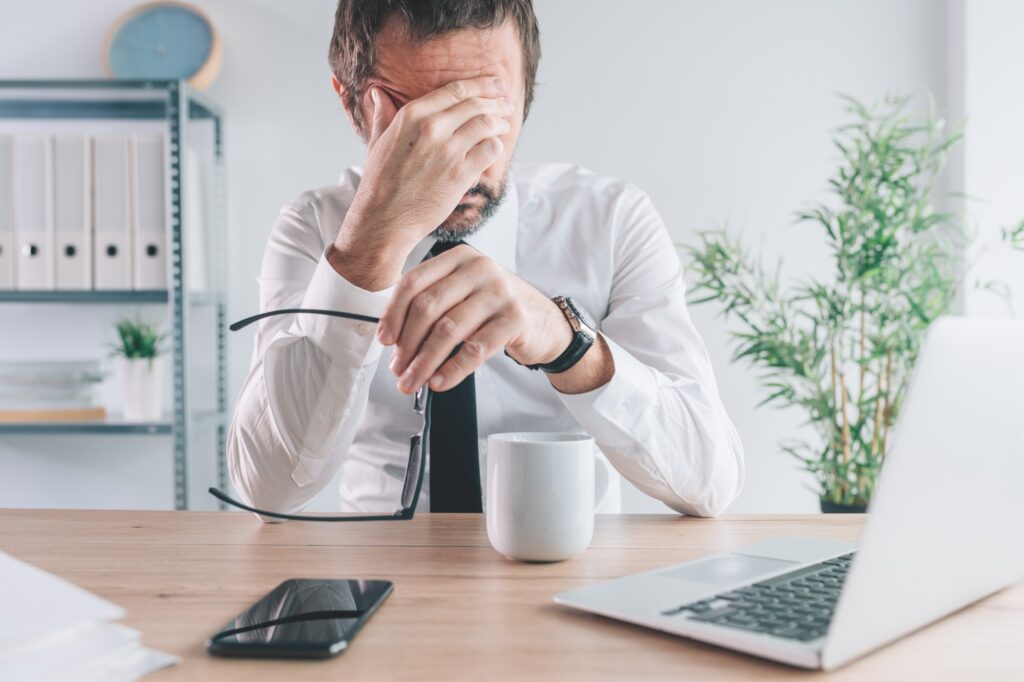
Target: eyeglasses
(418,444)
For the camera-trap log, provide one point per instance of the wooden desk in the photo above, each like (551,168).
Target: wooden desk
(459,610)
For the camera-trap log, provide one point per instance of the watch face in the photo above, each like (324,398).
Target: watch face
(582,314)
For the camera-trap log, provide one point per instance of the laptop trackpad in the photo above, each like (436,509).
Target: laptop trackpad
(727,569)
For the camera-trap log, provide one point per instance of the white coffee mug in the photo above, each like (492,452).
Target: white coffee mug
(540,494)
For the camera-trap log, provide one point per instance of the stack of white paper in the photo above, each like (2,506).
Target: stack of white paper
(53,630)
(49,390)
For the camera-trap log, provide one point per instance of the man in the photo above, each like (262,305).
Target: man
(457,249)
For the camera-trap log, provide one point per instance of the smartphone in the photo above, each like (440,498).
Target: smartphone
(302,618)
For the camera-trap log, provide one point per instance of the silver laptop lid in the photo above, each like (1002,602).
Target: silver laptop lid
(944,527)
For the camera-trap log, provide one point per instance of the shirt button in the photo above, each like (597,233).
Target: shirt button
(363,329)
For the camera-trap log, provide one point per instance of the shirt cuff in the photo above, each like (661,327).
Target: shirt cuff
(611,413)
(345,341)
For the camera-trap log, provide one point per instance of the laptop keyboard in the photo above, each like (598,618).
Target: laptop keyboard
(796,605)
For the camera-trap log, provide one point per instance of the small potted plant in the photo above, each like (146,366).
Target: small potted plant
(842,349)
(138,346)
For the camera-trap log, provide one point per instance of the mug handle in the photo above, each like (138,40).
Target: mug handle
(602,478)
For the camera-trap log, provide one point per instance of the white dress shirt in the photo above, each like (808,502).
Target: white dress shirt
(319,395)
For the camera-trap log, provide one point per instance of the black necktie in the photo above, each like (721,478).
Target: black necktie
(454,458)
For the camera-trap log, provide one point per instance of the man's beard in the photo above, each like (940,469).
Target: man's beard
(468,218)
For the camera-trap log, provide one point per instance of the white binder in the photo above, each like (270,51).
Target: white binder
(112,247)
(72,211)
(33,216)
(7,259)
(149,217)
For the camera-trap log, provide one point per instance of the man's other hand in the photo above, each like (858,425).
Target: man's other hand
(461,294)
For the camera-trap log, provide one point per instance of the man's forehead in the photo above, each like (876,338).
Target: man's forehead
(410,68)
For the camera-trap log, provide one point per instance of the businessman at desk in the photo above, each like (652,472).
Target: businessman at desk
(456,248)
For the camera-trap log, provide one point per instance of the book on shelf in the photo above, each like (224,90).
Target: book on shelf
(82,414)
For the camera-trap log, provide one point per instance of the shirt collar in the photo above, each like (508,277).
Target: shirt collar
(495,239)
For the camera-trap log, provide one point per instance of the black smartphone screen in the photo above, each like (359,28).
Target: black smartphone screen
(302,618)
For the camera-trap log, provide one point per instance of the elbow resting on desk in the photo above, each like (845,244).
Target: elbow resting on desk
(709,500)
(721,483)
(249,469)
(704,485)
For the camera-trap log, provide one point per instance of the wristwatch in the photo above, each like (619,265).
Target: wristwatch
(584,335)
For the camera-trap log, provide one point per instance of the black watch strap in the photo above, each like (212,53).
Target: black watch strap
(583,338)
(580,344)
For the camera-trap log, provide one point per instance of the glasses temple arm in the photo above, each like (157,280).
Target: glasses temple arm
(298,517)
(235,326)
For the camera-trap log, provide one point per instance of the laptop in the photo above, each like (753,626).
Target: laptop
(944,528)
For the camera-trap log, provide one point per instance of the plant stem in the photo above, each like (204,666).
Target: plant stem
(837,438)
(863,360)
(886,415)
(876,435)
(846,431)
(863,376)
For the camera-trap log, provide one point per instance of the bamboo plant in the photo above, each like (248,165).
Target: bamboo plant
(842,349)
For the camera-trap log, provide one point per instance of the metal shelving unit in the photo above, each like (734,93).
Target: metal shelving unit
(178,107)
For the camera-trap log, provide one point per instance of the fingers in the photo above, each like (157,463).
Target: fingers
(483,155)
(384,111)
(476,130)
(414,282)
(476,145)
(463,125)
(452,93)
(448,332)
(426,312)
(451,120)
(481,345)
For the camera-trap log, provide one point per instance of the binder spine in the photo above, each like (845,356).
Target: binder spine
(33,212)
(112,247)
(149,217)
(72,192)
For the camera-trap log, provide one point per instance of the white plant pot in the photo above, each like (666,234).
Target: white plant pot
(142,390)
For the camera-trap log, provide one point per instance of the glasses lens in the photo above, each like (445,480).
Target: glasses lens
(412,474)
(417,450)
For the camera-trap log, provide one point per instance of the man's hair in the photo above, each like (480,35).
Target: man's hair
(357,23)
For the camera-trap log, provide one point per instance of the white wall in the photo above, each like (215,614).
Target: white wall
(994,147)
(720,110)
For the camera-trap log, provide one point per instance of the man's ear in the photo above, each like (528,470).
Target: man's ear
(342,93)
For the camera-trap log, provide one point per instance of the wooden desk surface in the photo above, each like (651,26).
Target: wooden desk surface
(459,610)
